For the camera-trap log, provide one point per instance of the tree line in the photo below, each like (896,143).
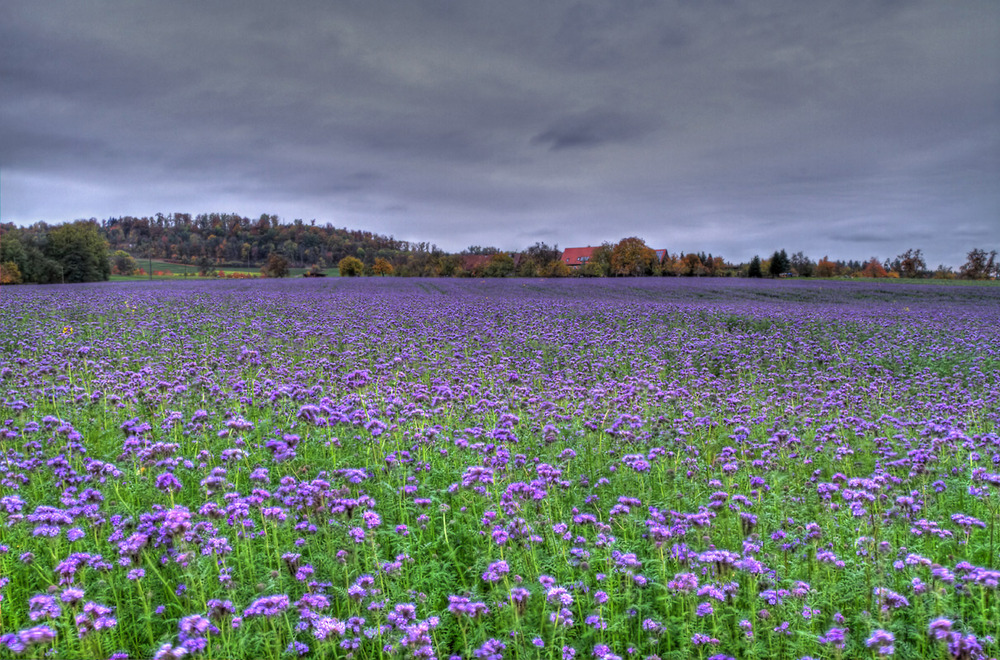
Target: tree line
(69,253)
(91,250)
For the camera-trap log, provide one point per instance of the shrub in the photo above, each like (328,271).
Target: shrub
(351,267)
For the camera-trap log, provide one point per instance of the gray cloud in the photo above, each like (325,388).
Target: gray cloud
(589,129)
(841,128)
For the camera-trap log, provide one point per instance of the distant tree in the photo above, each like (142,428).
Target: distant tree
(12,254)
(911,263)
(451,266)
(501,265)
(205,268)
(755,269)
(826,268)
(557,268)
(589,268)
(692,265)
(80,251)
(779,263)
(713,265)
(543,253)
(980,265)
(351,267)
(873,269)
(123,263)
(382,267)
(10,273)
(944,273)
(479,249)
(632,257)
(600,256)
(536,259)
(672,265)
(801,264)
(276,266)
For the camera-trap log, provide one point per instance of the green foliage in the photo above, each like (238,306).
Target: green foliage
(81,251)
(351,267)
(802,265)
(73,252)
(501,265)
(122,263)
(556,268)
(780,264)
(601,256)
(755,269)
(591,269)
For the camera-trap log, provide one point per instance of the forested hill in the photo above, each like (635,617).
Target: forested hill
(227,237)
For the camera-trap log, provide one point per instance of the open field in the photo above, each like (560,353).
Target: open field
(503,468)
(167,270)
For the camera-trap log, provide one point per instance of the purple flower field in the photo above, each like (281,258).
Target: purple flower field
(500,469)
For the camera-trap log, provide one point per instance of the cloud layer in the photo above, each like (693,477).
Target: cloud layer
(851,129)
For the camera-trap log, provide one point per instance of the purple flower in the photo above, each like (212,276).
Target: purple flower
(297,648)
(882,642)
(44,606)
(168,652)
(71,595)
(460,605)
(168,483)
(496,571)
(326,626)
(268,606)
(94,617)
(940,628)
(35,636)
(889,600)
(834,637)
(492,649)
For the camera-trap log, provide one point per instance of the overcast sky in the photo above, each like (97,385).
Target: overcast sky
(842,128)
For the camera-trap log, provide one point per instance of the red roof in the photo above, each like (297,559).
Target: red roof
(577,256)
(470,261)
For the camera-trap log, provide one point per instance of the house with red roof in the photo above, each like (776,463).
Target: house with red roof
(576,257)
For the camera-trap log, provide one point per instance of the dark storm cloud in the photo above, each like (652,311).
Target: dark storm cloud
(848,129)
(589,129)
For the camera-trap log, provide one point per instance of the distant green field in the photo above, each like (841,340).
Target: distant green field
(164,270)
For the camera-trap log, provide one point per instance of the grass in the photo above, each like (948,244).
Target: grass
(166,270)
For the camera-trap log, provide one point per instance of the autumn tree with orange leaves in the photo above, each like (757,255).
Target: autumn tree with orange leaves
(873,269)
(632,257)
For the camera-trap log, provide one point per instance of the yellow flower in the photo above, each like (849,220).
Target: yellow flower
(67,330)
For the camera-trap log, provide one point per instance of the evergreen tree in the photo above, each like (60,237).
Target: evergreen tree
(779,263)
(754,270)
